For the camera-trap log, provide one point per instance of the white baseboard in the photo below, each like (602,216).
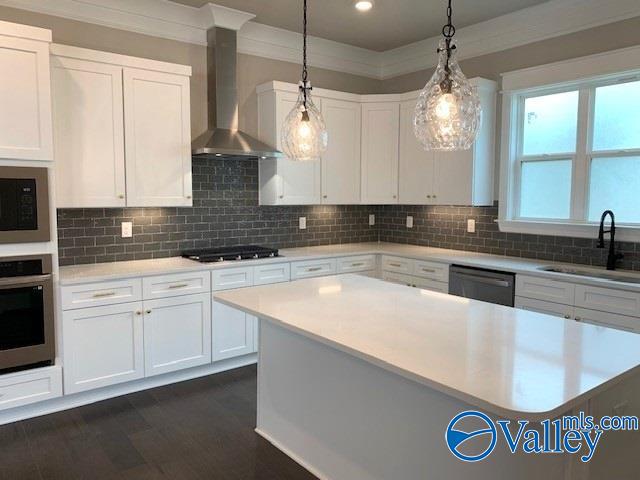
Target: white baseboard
(79,399)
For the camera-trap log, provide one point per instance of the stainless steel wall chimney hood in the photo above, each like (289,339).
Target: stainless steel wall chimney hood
(223,139)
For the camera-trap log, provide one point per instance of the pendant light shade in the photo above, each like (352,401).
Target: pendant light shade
(304,134)
(448,113)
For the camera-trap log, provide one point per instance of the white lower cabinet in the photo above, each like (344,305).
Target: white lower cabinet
(177,333)
(233,332)
(102,346)
(548,308)
(31,386)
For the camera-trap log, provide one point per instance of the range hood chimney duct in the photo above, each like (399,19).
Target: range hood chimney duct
(224,139)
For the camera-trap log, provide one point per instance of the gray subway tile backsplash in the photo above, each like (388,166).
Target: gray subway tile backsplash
(225,212)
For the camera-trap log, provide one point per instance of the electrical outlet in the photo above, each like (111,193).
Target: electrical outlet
(372,220)
(409,221)
(302,223)
(127,229)
(471,226)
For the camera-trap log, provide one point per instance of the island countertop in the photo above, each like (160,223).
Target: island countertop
(513,363)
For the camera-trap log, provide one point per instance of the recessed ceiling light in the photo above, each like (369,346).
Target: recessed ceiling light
(363,5)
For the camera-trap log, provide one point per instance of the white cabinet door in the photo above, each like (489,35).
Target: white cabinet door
(380,131)
(341,161)
(102,346)
(89,133)
(233,332)
(177,333)
(606,319)
(25,99)
(157,139)
(453,178)
(416,171)
(548,308)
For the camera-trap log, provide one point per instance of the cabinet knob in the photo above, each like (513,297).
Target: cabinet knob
(435,196)
(428,196)
(324,196)
(147,312)
(281,196)
(120,195)
(578,319)
(395,196)
(188,196)
(567,317)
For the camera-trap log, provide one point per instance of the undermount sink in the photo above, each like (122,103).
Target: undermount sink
(604,275)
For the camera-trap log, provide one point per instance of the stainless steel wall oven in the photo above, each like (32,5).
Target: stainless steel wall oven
(26,312)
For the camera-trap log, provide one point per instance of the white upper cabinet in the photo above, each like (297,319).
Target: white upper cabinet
(283,181)
(416,184)
(25,93)
(380,131)
(387,165)
(466,177)
(89,133)
(122,130)
(157,138)
(341,161)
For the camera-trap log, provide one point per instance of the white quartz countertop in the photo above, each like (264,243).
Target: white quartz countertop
(513,363)
(72,275)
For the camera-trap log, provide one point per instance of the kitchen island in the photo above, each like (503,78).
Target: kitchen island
(359,379)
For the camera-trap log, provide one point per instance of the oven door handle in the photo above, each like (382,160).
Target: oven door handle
(19,281)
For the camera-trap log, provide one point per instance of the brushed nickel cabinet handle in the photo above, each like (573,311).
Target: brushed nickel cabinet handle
(357,264)
(180,285)
(104,294)
(395,265)
(428,270)
(314,269)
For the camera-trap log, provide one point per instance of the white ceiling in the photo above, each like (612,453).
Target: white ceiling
(390,24)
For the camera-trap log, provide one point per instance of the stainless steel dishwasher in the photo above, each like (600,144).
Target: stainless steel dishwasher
(480,284)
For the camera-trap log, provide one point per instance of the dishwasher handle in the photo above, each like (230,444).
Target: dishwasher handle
(486,280)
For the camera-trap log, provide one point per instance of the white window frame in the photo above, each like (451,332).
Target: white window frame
(584,75)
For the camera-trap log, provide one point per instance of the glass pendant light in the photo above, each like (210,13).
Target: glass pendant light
(304,134)
(448,113)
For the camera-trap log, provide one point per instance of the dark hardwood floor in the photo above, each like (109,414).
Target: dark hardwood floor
(200,429)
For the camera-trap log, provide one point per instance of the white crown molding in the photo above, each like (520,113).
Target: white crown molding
(165,19)
(278,44)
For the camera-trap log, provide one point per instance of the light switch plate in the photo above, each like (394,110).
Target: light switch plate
(471,226)
(409,221)
(372,220)
(127,229)
(302,223)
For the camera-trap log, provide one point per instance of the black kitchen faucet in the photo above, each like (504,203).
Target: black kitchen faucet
(613,257)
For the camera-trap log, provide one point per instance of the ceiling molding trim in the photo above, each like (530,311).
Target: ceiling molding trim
(278,44)
(158,18)
(165,19)
(541,22)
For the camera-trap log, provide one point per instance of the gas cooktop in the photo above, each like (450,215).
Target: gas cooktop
(222,254)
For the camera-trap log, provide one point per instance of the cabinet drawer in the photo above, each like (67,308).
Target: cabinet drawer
(431,270)
(608,300)
(399,278)
(544,289)
(360,263)
(101,294)
(397,264)
(428,284)
(226,279)
(548,308)
(611,320)
(313,268)
(265,274)
(23,388)
(176,285)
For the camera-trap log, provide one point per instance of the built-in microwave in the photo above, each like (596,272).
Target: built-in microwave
(27,334)
(24,205)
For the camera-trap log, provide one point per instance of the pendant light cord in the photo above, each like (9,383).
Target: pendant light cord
(305,73)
